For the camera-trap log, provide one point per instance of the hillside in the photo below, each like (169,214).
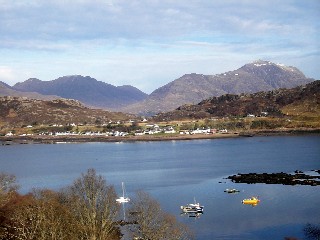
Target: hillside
(85,89)
(301,102)
(15,112)
(192,88)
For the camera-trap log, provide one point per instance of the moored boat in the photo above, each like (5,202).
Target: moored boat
(123,199)
(252,201)
(233,190)
(192,208)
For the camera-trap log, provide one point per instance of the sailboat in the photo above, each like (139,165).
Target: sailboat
(123,199)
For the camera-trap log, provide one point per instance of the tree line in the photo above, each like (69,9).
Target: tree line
(85,210)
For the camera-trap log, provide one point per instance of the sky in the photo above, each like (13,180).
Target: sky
(149,43)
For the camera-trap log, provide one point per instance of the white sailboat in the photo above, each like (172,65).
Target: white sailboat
(123,199)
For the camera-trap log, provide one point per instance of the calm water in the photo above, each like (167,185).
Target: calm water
(175,172)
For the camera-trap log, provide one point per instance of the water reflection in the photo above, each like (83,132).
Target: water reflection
(191,215)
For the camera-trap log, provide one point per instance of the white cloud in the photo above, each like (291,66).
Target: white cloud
(6,74)
(10,75)
(147,43)
(154,20)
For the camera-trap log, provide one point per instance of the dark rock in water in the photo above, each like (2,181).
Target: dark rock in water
(298,178)
(246,134)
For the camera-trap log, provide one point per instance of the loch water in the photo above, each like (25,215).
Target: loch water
(177,172)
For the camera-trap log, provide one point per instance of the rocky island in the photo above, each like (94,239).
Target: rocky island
(298,178)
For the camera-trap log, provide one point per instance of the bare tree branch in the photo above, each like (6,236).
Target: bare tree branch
(153,223)
(93,203)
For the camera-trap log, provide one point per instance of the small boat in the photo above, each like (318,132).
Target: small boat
(233,190)
(123,199)
(192,208)
(252,201)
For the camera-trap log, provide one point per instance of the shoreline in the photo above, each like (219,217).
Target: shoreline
(83,139)
(44,139)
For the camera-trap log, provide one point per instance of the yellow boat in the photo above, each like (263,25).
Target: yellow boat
(252,201)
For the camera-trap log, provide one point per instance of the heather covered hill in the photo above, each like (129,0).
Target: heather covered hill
(85,89)
(192,88)
(299,102)
(15,112)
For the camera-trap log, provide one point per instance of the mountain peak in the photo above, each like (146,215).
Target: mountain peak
(260,61)
(27,83)
(32,81)
(4,85)
(264,63)
(72,78)
(270,69)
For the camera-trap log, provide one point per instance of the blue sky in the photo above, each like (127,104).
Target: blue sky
(149,43)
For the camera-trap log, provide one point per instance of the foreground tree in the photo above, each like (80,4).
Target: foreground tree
(8,187)
(15,220)
(150,222)
(93,204)
(87,210)
(38,216)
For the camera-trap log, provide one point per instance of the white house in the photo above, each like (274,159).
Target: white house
(139,133)
(9,134)
(223,131)
(169,130)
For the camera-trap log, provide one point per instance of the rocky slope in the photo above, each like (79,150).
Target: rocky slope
(192,88)
(299,101)
(85,89)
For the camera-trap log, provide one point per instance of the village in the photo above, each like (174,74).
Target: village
(115,129)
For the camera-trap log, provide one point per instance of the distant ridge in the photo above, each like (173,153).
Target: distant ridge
(85,89)
(6,90)
(192,88)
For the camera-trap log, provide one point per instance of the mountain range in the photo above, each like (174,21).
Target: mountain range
(85,89)
(192,88)
(301,104)
(188,89)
